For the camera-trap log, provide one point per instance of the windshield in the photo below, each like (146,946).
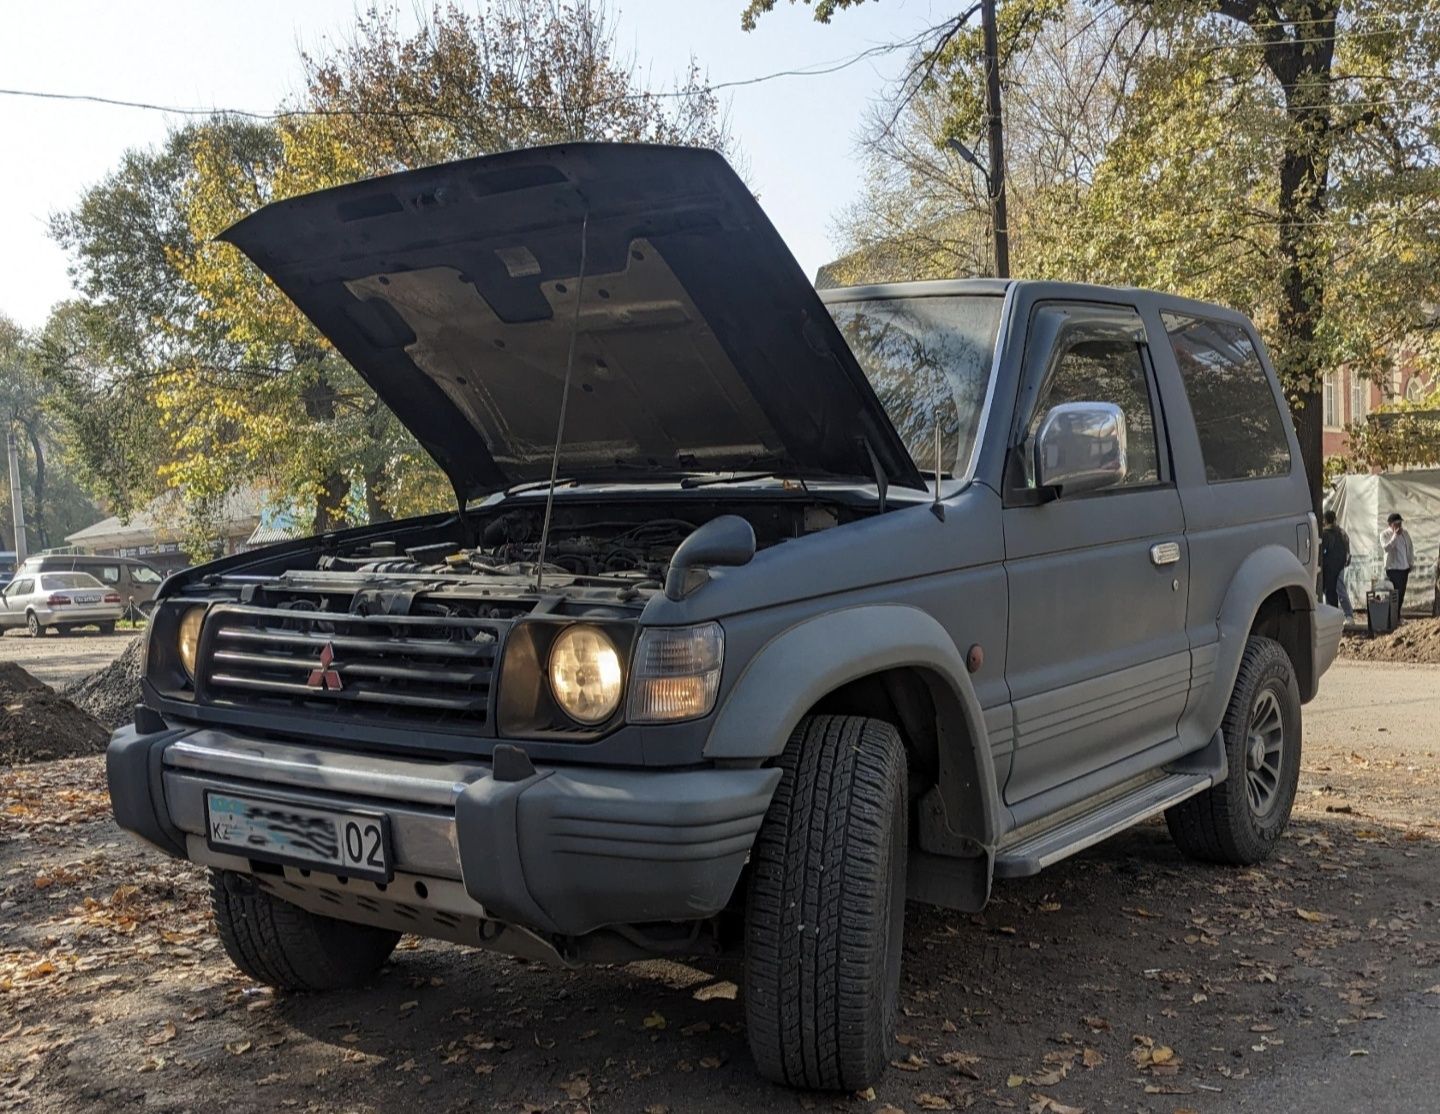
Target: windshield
(929,361)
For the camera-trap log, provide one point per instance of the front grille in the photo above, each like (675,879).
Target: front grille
(415,669)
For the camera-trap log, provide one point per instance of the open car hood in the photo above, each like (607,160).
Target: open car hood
(700,344)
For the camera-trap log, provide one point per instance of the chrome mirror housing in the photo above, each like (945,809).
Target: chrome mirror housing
(1079,447)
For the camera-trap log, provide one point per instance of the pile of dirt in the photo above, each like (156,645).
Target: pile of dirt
(14,679)
(110,694)
(1417,641)
(38,724)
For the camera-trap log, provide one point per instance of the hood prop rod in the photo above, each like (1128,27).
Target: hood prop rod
(937,508)
(564,405)
(882,482)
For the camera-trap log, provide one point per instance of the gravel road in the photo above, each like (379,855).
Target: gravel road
(1125,979)
(58,661)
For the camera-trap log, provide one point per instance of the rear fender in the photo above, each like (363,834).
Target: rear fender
(1268,570)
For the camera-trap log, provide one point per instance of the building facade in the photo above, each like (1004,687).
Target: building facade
(1346,399)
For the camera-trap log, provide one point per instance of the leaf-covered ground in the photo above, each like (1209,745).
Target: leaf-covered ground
(1126,979)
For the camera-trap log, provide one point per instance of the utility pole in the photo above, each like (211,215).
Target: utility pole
(995,175)
(16,502)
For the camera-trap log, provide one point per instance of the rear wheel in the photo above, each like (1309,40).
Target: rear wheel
(826,909)
(291,948)
(32,624)
(1240,820)
(65,631)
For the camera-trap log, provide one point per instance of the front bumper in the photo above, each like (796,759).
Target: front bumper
(563,851)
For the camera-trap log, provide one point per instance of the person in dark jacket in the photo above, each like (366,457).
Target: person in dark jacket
(1334,556)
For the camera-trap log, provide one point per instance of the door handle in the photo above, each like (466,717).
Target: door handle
(1165,553)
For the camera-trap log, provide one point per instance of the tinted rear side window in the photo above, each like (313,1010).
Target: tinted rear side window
(1242,434)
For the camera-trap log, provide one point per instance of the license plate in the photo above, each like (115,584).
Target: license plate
(87,599)
(353,844)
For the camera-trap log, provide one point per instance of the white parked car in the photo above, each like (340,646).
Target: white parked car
(63,600)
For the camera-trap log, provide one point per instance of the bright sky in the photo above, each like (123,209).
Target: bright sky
(797,133)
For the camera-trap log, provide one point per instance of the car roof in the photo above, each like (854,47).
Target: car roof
(59,562)
(1036,289)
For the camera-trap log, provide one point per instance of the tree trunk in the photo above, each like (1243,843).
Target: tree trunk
(37,520)
(375,494)
(319,399)
(1302,64)
(330,506)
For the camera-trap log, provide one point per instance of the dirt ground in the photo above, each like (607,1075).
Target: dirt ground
(1416,641)
(1125,979)
(61,661)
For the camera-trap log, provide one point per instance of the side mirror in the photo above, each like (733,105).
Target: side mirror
(725,541)
(1080,447)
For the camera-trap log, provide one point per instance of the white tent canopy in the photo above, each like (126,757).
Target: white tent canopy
(1361,505)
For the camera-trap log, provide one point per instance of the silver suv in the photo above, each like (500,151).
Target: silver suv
(760,611)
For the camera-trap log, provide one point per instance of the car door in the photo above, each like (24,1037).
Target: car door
(1098,663)
(143,580)
(13,613)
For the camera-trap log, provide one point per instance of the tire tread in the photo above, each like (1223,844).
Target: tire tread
(818,919)
(284,946)
(1216,826)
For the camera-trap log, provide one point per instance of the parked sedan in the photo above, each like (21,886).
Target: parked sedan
(63,600)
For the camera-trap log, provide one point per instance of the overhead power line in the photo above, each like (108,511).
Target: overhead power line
(818,69)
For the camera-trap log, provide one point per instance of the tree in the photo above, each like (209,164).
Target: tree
(1281,156)
(923,213)
(240,386)
(53,503)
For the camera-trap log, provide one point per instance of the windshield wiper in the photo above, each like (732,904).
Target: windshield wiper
(737,478)
(536,485)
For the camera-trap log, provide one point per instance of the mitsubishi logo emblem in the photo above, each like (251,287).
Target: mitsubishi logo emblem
(326,676)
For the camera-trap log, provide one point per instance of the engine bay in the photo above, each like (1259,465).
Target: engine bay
(510,546)
(600,553)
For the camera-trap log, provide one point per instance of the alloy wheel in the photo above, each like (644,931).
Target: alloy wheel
(1264,748)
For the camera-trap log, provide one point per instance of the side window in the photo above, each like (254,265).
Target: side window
(1242,434)
(1096,362)
(110,574)
(144,574)
(20,588)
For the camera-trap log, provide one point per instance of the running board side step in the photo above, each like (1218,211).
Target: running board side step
(1031,854)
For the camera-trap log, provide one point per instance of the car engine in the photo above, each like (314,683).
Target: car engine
(510,546)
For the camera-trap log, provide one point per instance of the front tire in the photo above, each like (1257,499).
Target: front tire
(825,917)
(291,948)
(1239,821)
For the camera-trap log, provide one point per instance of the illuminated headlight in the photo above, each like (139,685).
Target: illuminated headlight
(677,673)
(188,639)
(585,675)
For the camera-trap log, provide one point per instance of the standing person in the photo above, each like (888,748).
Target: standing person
(1399,557)
(1334,556)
